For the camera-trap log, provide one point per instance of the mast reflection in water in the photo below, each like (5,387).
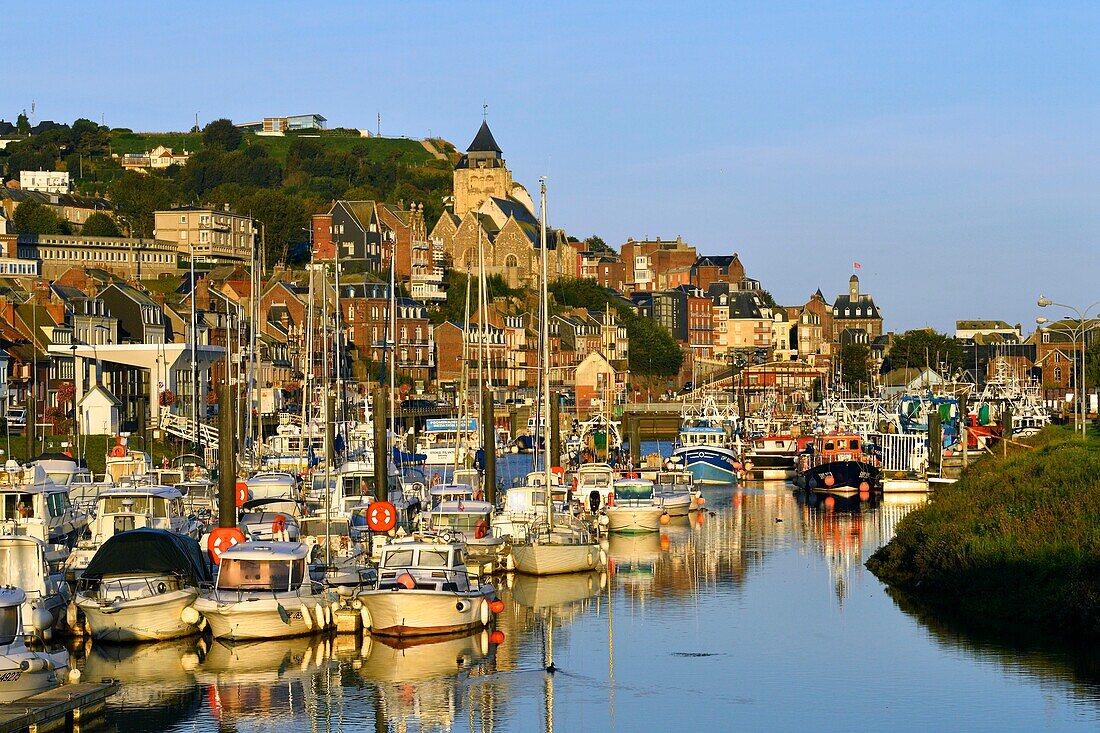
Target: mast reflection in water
(756,613)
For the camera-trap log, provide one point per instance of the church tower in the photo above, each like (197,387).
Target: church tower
(480,174)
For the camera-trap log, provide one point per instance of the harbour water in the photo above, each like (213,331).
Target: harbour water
(756,614)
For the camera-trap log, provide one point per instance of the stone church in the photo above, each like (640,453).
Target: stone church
(493,211)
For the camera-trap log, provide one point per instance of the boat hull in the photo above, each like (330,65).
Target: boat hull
(406,612)
(627,519)
(847,477)
(259,618)
(709,465)
(17,683)
(678,505)
(153,618)
(553,559)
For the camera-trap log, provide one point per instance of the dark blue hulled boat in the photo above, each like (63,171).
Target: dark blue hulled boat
(837,464)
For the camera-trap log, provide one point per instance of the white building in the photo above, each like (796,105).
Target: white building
(45,181)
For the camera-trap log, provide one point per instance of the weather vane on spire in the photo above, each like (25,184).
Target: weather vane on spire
(485,112)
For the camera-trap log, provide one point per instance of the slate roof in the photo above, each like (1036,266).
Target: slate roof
(744,305)
(483,141)
(982,325)
(865,304)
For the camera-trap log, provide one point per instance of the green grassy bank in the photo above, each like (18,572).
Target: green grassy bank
(93,447)
(1015,541)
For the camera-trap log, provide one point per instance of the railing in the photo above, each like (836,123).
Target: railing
(425,578)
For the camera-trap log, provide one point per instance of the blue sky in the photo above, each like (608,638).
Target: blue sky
(951,151)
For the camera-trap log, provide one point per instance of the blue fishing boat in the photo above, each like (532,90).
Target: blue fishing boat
(703,447)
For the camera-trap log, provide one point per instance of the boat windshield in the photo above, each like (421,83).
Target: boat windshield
(9,624)
(153,505)
(460,521)
(18,506)
(21,566)
(272,575)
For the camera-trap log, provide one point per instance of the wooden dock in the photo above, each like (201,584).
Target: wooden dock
(56,708)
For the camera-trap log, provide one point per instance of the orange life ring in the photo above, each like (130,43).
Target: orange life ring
(278,524)
(381,516)
(119,451)
(481,530)
(221,539)
(241,493)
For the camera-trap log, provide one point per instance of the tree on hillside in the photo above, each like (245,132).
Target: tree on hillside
(925,347)
(100,225)
(222,134)
(855,360)
(137,196)
(284,218)
(596,244)
(653,351)
(31,217)
(22,124)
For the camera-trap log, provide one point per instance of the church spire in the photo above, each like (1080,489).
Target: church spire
(483,142)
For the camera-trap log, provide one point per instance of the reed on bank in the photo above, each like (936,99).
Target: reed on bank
(1015,541)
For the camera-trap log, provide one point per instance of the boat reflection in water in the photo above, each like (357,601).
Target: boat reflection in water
(265,681)
(158,687)
(420,682)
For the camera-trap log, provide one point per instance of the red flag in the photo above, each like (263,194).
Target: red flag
(856,265)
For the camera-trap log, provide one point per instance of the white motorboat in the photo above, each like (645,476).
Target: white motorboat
(33,505)
(677,492)
(23,671)
(595,482)
(523,507)
(122,462)
(272,485)
(36,568)
(444,443)
(264,591)
(424,588)
(140,586)
(273,519)
(633,507)
(456,512)
(126,508)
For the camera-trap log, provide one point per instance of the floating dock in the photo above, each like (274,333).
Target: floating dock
(56,708)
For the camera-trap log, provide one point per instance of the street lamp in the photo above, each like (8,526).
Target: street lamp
(1081,330)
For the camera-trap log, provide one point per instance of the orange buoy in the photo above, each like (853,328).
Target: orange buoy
(665,542)
(665,519)
(381,516)
(406,581)
(830,502)
(221,539)
(611,499)
(699,517)
(864,495)
(497,637)
(864,487)
(700,500)
(496,606)
(829,480)
(242,494)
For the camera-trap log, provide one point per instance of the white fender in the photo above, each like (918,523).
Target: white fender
(190,616)
(364,615)
(307,617)
(319,612)
(603,556)
(71,615)
(484,612)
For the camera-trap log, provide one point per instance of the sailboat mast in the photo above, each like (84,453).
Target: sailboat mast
(338,351)
(460,433)
(393,337)
(544,346)
(307,372)
(481,314)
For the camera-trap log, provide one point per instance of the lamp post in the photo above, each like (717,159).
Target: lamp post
(1081,330)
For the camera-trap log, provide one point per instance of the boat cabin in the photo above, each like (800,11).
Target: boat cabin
(462,516)
(669,481)
(156,507)
(703,435)
(265,567)
(633,490)
(422,566)
(123,462)
(31,504)
(450,492)
(272,485)
(833,448)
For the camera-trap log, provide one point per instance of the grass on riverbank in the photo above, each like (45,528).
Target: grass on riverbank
(93,447)
(1015,541)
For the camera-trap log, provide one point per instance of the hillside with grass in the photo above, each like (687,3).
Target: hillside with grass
(279,180)
(1016,541)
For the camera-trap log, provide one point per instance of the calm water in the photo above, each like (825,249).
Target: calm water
(731,620)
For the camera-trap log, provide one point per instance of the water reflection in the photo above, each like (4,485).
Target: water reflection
(761,592)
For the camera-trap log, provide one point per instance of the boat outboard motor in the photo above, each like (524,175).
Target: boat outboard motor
(594,500)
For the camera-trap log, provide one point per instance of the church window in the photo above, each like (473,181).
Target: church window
(1058,374)
(511,261)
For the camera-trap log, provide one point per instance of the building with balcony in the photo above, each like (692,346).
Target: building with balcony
(207,233)
(125,257)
